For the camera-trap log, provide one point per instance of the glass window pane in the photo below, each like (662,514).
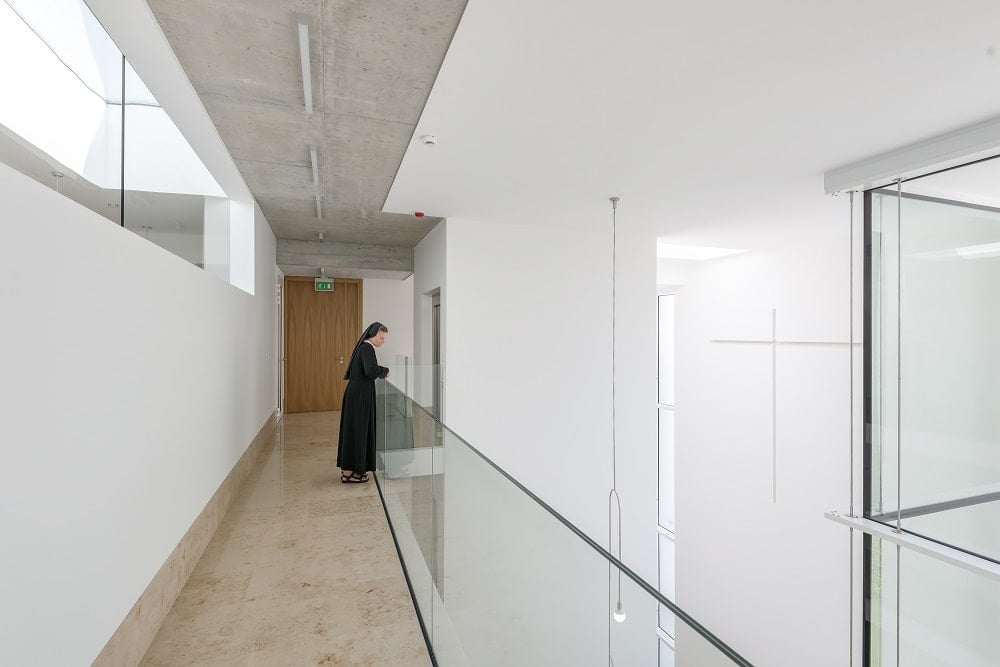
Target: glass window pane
(666,463)
(666,349)
(667,583)
(935,364)
(936,613)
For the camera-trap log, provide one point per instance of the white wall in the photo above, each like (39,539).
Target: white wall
(134,382)
(430,275)
(391,303)
(529,367)
(188,246)
(771,579)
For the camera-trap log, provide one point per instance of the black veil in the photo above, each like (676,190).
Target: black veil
(370,332)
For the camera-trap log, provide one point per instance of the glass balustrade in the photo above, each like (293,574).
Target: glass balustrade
(498,577)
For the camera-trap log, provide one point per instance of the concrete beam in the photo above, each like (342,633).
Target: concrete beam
(339,257)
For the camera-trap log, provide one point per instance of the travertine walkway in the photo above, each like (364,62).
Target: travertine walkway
(302,571)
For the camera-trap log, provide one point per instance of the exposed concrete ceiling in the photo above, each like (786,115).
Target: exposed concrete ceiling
(373,65)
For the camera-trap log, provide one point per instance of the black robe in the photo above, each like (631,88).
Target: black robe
(356,447)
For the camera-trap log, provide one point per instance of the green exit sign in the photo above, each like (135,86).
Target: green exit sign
(323,284)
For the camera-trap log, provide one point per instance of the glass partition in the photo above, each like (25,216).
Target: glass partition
(498,577)
(932,368)
(935,363)
(926,612)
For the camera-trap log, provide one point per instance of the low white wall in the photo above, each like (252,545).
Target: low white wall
(134,382)
(769,578)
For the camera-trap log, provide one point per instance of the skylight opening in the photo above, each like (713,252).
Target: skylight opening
(65,99)
(692,252)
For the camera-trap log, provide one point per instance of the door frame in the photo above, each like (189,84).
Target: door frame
(280,338)
(285,279)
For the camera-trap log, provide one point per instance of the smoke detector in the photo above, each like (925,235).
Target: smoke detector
(429,140)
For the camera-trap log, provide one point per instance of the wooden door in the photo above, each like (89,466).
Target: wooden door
(321,329)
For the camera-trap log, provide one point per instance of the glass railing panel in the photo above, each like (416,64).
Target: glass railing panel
(927,612)
(517,589)
(498,577)
(404,467)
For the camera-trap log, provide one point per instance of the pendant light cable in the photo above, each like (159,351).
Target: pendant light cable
(619,613)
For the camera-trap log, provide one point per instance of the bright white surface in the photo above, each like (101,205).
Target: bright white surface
(665,348)
(667,489)
(73,113)
(216,236)
(390,302)
(525,337)
(692,252)
(126,405)
(45,103)
(134,29)
(668,585)
(244,218)
(158,158)
(429,276)
(69,31)
(683,110)
(784,600)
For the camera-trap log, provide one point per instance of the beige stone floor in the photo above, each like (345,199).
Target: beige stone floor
(302,571)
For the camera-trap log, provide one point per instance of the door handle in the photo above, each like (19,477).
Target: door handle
(340,359)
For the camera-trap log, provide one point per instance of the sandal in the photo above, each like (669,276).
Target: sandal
(354,478)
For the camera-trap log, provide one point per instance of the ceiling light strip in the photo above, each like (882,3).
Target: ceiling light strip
(306,66)
(319,208)
(315,164)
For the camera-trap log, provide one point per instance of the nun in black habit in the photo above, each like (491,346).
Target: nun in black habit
(356,448)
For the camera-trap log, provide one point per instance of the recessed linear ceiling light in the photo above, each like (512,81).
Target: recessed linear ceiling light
(319,208)
(304,55)
(692,252)
(315,164)
(981,251)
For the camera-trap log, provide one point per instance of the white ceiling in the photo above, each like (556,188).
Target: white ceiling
(712,120)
